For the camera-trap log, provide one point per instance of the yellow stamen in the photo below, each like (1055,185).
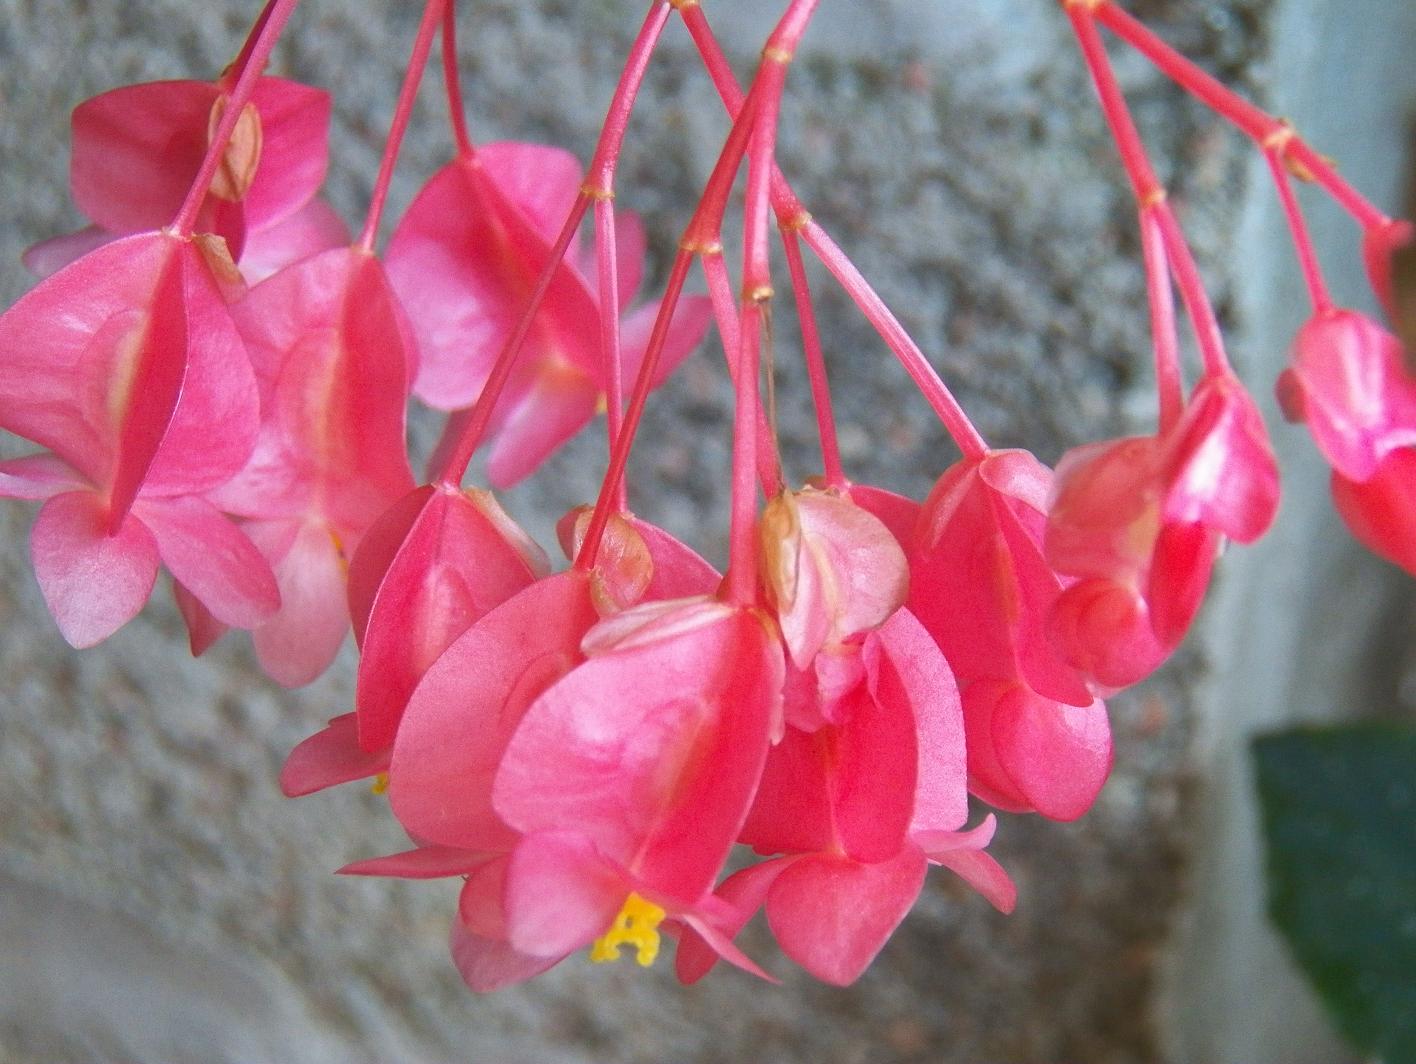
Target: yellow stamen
(636,925)
(380,783)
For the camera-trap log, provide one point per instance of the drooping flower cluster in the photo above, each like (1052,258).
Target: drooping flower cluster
(219,381)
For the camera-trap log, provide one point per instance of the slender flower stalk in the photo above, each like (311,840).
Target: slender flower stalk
(1298,227)
(815,361)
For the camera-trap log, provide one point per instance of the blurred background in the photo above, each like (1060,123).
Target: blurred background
(160,901)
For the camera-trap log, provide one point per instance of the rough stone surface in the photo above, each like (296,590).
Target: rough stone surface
(150,872)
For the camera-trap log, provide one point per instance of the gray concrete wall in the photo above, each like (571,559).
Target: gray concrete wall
(160,902)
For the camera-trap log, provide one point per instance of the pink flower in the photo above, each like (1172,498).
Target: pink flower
(859,808)
(1381,510)
(120,365)
(1138,523)
(332,356)
(137,149)
(463,259)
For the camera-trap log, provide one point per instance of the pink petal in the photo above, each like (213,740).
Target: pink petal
(1358,399)
(424,862)
(294,150)
(93,580)
(1223,473)
(744,892)
(300,640)
(560,894)
(326,338)
(1180,573)
(690,322)
(481,904)
(791,812)
(962,852)
(329,757)
(205,550)
(315,227)
(464,711)
(455,564)
(1057,755)
(874,774)
(724,946)
(541,180)
(898,513)
(1381,512)
(988,780)
(558,403)
(631,245)
(1105,631)
(907,668)
(487,964)
(653,752)
(203,629)
(679,571)
(37,476)
(832,915)
(136,150)
(52,255)
(462,260)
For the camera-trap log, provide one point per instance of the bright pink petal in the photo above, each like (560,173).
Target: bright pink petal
(424,862)
(481,904)
(488,964)
(1057,755)
(653,752)
(1179,576)
(1381,512)
(52,255)
(1222,470)
(874,774)
(962,852)
(456,563)
(329,757)
(315,227)
(988,780)
(791,812)
(898,513)
(93,581)
(213,559)
(560,894)
(679,571)
(37,476)
(723,946)
(1105,631)
(541,180)
(631,244)
(464,711)
(300,640)
(136,150)
(744,892)
(294,150)
(832,915)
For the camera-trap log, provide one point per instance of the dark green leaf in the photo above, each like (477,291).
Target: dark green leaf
(1339,808)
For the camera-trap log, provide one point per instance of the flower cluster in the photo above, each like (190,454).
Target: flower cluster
(219,380)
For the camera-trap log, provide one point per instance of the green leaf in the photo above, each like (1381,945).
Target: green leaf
(1339,808)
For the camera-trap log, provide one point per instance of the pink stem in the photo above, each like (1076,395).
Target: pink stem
(1149,193)
(243,57)
(815,363)
(756,294)
(926,378)
(1258,125)
(464,430)
(791,214)
(453,84)
(720,294)
(1302,239)
(407,96)
(275,18)
(1170,390)
(607,262)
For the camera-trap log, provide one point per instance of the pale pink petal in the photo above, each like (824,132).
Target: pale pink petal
(94,580)
(213,559)
(52,255)
(832,915)
(561,894)
(488,964)
(329,757)
(468,704)
(38,476)
(540,179)
(301,639)
(315,227)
